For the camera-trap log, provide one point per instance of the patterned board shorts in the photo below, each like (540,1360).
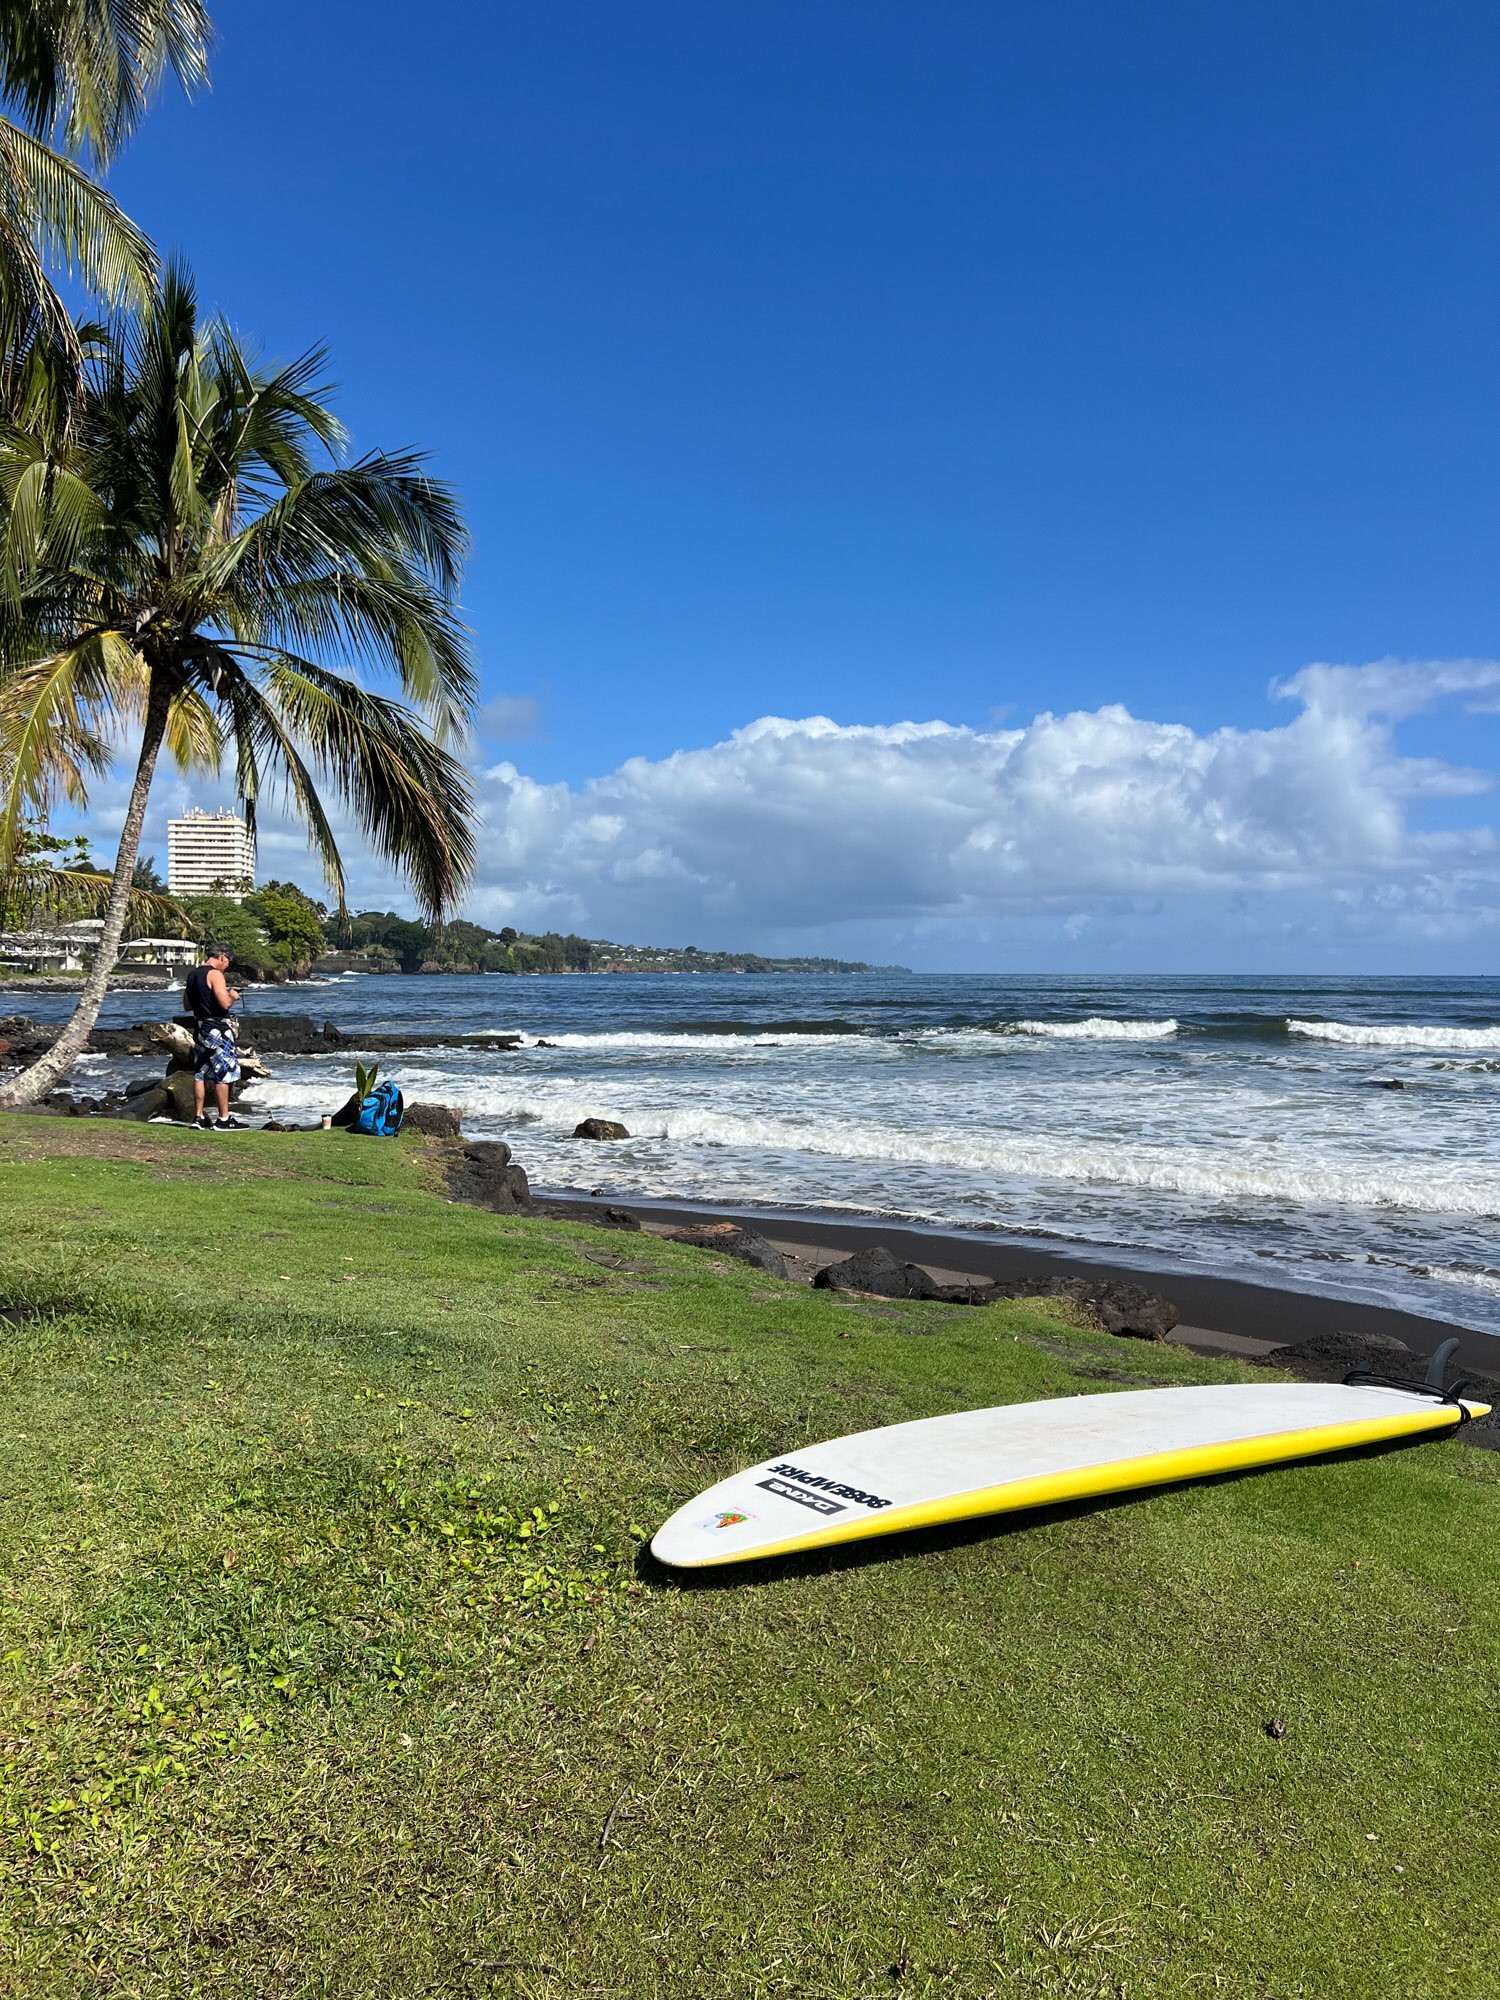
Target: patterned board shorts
(215,1058)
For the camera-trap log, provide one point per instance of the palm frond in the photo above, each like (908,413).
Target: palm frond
(54,716)
(260,737)
(49,199)
(63,893)
(412,798)
(391,622)
(194,740)
(49,512)
(83,71)
(385,508)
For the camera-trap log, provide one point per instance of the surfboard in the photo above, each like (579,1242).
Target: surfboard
(1022,1455)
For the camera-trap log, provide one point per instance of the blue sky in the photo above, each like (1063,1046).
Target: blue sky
(899,364)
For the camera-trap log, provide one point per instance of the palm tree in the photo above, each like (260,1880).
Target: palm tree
(179,564)
(78,74)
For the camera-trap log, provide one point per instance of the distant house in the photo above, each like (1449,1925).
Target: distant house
(70,948)
(38,951)
(159,951)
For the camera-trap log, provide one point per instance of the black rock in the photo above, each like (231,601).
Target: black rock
(1483,1432)
(1127,1310)
(734,1242)
(876,1270)
(288,1034)
(434,1121)
(976,1293)
(481,1172)
(559,1210)
(1329,1357)
(753,1249)
(141,1105)
(1387,1083)
(600,1128)
(182,1098)
(267,1034)
(23,1039)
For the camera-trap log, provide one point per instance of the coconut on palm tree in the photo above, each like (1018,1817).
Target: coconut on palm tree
(76,75)
(183,561)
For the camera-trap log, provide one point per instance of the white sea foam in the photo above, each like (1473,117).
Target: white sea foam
(668,1044)
(1257,1158)
(1357,1035)
(1097,1029)
(1458,1274)
(661,1135)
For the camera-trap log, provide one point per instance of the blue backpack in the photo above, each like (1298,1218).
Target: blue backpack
(380,1114)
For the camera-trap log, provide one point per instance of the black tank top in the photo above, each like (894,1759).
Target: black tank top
(202,1003)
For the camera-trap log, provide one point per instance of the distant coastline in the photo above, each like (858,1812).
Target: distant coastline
(745,964)
(339,964)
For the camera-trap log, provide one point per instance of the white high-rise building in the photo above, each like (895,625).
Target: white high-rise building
(210,853)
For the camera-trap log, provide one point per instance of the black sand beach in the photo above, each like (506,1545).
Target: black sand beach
(1218,1315)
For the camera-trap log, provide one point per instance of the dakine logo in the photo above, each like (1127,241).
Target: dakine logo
(814,1500)
(824,1484)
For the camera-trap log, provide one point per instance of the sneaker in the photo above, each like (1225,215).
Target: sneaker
(203,1124)
(231,1124)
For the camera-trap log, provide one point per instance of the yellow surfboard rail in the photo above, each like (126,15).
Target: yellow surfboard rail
(1121,1475)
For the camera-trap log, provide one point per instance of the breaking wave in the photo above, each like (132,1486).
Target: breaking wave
(722,1042)
(1095,1029)
(1195,1173)
(1465,1274)
(1395,1036)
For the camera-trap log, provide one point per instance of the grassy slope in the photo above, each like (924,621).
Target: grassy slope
(292,1703)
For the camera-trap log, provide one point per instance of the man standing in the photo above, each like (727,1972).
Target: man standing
(212,1001)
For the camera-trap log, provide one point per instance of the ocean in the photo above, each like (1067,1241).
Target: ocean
(1234,1126)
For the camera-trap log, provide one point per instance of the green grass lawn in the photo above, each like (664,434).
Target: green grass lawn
(329,1665)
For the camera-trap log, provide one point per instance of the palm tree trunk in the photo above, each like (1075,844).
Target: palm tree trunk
(33,1084)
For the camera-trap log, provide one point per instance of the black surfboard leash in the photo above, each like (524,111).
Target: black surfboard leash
(1431,1385)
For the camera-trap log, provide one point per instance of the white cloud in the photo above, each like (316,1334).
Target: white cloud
(1095,822)
(806,823)
(1388,687)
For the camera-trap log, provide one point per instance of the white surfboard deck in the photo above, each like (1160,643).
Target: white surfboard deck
(979,1462)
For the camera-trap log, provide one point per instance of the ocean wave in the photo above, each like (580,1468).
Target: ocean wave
(1051,1162)
(1394,1035)
(1176,1171)
(820,1024)
(1474,1277)
(669,1042)
(1095,1029)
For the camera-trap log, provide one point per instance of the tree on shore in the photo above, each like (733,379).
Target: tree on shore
(52,881)
(75,77)
(292,922)
(198,545)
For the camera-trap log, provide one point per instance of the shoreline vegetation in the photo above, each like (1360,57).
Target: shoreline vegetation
(332,1601)
(279,934)
(166,978)
(280,930)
